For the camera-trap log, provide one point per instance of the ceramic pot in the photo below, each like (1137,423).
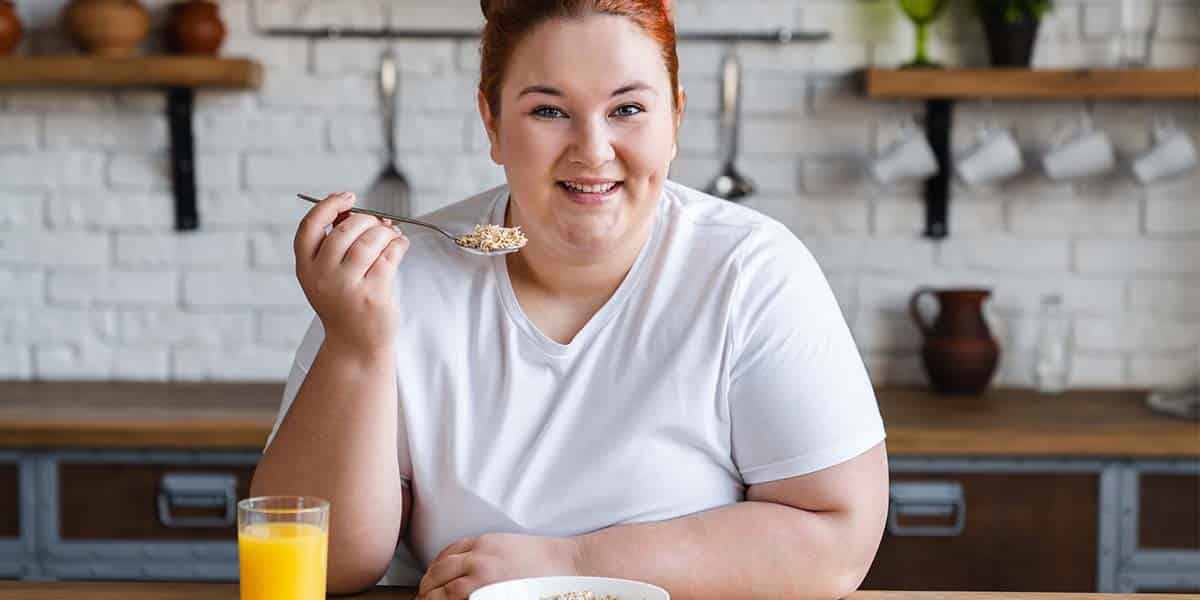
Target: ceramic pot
(959,352)
(195,27)
(107,27)
(10,27)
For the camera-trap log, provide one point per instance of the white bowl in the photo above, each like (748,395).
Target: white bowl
(535,588)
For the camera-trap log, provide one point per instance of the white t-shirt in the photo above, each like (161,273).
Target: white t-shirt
(722,360)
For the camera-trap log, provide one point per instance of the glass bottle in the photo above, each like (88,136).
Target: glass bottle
(1052,363)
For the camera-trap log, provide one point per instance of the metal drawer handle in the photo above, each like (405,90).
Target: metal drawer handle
(197,490)
(926,499)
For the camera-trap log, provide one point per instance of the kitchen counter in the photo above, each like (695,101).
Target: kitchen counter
(1003,422)
(224,591)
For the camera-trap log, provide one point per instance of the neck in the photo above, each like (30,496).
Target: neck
(538,267)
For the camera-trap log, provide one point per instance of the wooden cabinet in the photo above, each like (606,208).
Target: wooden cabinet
(10,502)
(1169,511)
(160,502)
(1008,532)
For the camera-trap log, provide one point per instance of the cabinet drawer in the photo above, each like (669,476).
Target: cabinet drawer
(10,502)
(156,502)
(1169,511)
(1008,532)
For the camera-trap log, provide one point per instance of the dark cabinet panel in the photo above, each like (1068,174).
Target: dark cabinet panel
(1018,532)
(106,501)
(10,501)
(1169,511)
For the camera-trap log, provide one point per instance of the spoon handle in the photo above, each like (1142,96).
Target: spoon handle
(383,215)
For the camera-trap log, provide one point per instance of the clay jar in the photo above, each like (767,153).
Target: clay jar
(959,352)
(195,27)
(10,27)
(107,27)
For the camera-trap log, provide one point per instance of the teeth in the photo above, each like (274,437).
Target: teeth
(590,189)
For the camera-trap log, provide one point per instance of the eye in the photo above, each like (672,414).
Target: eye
(628,110)
(548,112)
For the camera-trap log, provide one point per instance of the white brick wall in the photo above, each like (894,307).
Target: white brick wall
(95,283)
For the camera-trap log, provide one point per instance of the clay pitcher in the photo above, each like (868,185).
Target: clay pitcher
(195,27)
(959,352)
(10,27)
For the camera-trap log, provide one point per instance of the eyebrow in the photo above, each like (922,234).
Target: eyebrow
(553,91)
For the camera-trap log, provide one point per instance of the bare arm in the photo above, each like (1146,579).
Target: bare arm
(812,536)
(338,439)
(338,442)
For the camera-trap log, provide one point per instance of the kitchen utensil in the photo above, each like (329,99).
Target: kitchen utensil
(959,353)
(909,157)
(1183,403)
(195,27)
(452,237)
(1172,153)
(994,157)
(535,588)
(283,547)
(922,13)
(390,192)
(10,27)
(730,184)
(107,27)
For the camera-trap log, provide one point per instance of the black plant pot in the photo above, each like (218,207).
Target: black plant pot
(1010,43)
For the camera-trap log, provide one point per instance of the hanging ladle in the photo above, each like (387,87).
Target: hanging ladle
(730,184)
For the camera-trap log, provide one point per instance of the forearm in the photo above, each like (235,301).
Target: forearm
(746,550)
(338,442)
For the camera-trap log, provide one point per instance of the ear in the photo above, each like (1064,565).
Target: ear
(489,125)
(682,102)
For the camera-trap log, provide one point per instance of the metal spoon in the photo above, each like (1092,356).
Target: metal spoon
(390,190)
(452,237)
(730,184)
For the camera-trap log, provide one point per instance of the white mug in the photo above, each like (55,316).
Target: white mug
(1089,152)
(1173,154)
(995,157)
(909,157)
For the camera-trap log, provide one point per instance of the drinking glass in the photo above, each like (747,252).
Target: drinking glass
(283,545)
(922,13)
(1137,21)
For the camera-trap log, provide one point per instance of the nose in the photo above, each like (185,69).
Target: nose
(591,143)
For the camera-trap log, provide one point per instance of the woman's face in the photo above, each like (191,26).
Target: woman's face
(586,134)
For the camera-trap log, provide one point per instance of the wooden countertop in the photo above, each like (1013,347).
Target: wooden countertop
(16,590)
(1003,422)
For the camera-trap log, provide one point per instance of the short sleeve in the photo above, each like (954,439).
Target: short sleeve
(799,395)
(301,364)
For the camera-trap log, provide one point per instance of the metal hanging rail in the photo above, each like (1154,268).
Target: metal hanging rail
(782,35)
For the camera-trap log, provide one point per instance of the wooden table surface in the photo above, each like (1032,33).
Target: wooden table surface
(16,590)
(1003,422)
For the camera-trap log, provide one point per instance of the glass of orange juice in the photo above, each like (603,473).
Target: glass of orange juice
(283,545)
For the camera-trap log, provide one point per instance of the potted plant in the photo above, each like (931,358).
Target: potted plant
(1011,28)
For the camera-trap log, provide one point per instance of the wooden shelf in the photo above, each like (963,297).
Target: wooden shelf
(149,71)
(1033,83)
(179,76)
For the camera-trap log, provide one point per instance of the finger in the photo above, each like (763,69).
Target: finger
(461,588)
(443,571)
(365,250)
(458,589)
(333,248)
(458,547)
(383,267)
(311,230)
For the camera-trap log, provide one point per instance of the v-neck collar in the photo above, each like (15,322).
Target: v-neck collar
(611,307)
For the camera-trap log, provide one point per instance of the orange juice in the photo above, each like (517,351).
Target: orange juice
(282,561)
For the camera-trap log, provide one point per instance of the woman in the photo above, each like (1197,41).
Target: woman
(659,386)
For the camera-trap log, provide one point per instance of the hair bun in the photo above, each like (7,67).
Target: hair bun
(491,8)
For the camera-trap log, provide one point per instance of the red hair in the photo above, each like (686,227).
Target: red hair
(508,21)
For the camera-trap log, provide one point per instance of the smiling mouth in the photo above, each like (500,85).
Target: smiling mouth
(594,188)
